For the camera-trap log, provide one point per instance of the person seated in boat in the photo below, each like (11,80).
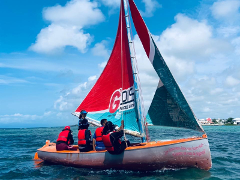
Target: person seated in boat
(111,138)
(81,117)
(65,139)
(84,137)
(97,138)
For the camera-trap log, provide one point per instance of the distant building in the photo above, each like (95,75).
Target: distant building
(236,121)
(203,121)
(209,120)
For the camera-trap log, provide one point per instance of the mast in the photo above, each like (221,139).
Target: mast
(139,109)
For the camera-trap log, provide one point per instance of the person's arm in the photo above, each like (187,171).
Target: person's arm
(118,135)
(121,127)
(71,138)
(94,142)
(90,135)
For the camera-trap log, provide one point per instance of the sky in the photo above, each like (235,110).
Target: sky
(52,52)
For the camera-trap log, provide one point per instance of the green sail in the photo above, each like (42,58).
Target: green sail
(169,106)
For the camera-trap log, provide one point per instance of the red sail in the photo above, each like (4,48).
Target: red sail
(116,77)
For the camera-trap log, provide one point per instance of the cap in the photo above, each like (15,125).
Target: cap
(83,112)
(67,127)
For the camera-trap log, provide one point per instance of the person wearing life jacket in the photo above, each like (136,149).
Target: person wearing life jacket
(111,138)
(97,138)
(65,139)
(81,117)
(84,137)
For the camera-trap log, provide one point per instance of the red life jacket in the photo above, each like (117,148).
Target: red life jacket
(63,136)
(81,137)
(107,142)
(98,133)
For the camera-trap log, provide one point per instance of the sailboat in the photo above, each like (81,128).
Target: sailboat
(117,95)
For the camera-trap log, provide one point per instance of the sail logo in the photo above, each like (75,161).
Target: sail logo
(122,100)
(115,101)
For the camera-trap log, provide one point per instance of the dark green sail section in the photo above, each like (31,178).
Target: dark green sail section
(165,111)
(169,107)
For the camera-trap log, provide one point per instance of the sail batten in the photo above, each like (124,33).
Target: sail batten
(169,106)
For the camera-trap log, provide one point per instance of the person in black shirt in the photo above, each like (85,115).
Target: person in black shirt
(111,138)
(81,117)
(84,137)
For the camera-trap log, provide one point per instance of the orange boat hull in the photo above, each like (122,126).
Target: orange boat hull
(182,153)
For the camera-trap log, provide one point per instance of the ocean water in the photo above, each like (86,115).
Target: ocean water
(18,147)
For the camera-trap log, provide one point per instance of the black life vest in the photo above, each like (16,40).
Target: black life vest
(98,133)
(63,136)
(82,136)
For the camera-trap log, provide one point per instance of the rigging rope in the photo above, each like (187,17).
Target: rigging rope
(141,102)
(122,68)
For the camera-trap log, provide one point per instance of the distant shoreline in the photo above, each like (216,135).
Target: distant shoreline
(220,125)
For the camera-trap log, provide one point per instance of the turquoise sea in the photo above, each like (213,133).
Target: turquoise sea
(18,147)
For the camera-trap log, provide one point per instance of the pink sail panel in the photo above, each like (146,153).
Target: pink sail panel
(116,76)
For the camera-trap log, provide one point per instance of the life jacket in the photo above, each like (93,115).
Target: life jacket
(82,137)
(107,142)
(63,136)
(98,133)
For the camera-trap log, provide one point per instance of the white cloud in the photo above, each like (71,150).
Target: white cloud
(70,100)
(79,88)
(100,49)
(236,43)
(189,38)
(66,26)
(47,119)
(56,37)
(76,13)
(150,7)
(44,65)
(226,9)
(62,104)
(228,31)
(231,81)
(92,78)
(103,64)
(206,109)
(10,80)
(47,113)
(216,91)
(231,101)
(57,102)
(21,118)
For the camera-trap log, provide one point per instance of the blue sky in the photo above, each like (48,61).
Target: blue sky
(51,53)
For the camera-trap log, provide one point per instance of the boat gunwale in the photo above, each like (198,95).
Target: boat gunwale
(156,144)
